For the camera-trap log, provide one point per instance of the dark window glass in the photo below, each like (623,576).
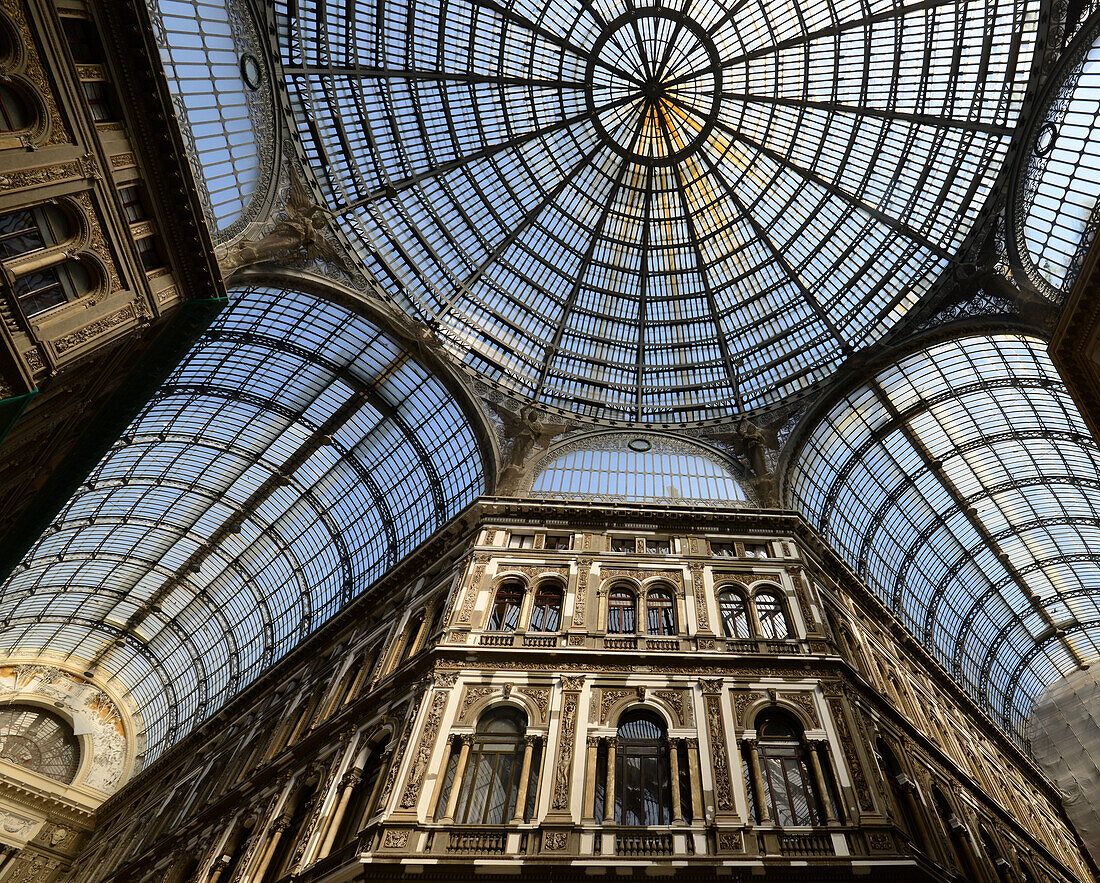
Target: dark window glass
(490,783)
(555,543)
(726,550)
(100,101)
(506,605)
(546,616)
(29,229)
(83,40)
(358,810)
(660,613)
(621,612)
(50,287)
(39,740)
(735,616)
(14,112)
(642,779)
(623,544)
(149,252)
(133,205)
(412,635)
(773,620)
(785,769)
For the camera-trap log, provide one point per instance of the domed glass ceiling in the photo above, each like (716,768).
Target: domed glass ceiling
(296,454)
(655,211)
(963,486)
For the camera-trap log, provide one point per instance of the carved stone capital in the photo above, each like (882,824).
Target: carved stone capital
(351,779)
(532,740)
(281,823)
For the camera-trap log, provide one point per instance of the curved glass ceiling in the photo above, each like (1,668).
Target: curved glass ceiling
(1062,208)
(661,210)
(964,488)
(297,453)
(203,64)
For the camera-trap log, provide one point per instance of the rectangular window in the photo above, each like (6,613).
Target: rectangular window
(19,233)
(83,40)
(623,544)
(149,252)
(100,101)
(40,291)
(557,542)
(133,205)
(658,547)
(521,541)
(725,550)
(756,550)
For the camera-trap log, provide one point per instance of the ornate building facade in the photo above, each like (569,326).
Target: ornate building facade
(558,689)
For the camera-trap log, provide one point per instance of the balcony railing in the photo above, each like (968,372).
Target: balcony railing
(540,640)
(643,843)
(497,640)
(484,842)
(806,844)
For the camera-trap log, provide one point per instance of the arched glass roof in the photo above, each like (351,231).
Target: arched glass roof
(964,488)
(647,466)
(297,453)
(1060,202)
(209,79)
(656,211)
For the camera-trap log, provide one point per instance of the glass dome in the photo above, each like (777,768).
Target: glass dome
(657,211)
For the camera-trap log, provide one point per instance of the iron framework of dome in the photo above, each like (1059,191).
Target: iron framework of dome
(296,454)
(963,486)
(656,212)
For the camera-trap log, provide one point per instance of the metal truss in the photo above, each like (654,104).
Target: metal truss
(297,453)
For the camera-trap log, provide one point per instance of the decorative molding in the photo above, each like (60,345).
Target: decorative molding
(424,751)
(716,731)
(564,763)
(584,569)
(540,696)
(674,699)
(95,329)
(555,840)
(701,617)
(855,767)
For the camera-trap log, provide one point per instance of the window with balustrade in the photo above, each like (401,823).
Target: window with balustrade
(643,781)
(735,614)
(791,796)
(489,782)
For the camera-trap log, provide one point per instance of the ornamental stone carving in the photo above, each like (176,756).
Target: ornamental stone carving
(855,768)
(424,750)
(697,590)
(540,696)
(584,568)
(555,840)
(472,696)
(564,764)
(716,730)
(472,590)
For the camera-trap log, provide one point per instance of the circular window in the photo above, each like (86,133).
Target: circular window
(1044,140)
(251,72)
(639,444)
(39,740)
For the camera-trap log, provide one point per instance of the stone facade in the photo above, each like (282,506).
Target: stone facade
(340,763)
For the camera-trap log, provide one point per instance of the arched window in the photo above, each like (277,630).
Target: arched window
(546,615)
(735,615)
(29,229)
(490,781)
(621,613)
(771,615)
(39,740)
(660,613)
(896,781)
(284,848)
(999,862)
(363,795)
(34,229)
(15,113)
(505,613)
(412,635)
(789,787)
(643,783)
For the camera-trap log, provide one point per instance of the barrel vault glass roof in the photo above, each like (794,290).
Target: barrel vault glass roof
(661,210)
(964,487)
(295,454)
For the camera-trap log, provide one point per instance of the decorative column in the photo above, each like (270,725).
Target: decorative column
(279,827)
(909,788)
(456,783)
(961,835)
(674,769)
(437,792)
(348,784)
(385,771)
(815,746)
(590,780)
(757,780)
(609,787)
(524,778)
(562,788)
(696,781)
